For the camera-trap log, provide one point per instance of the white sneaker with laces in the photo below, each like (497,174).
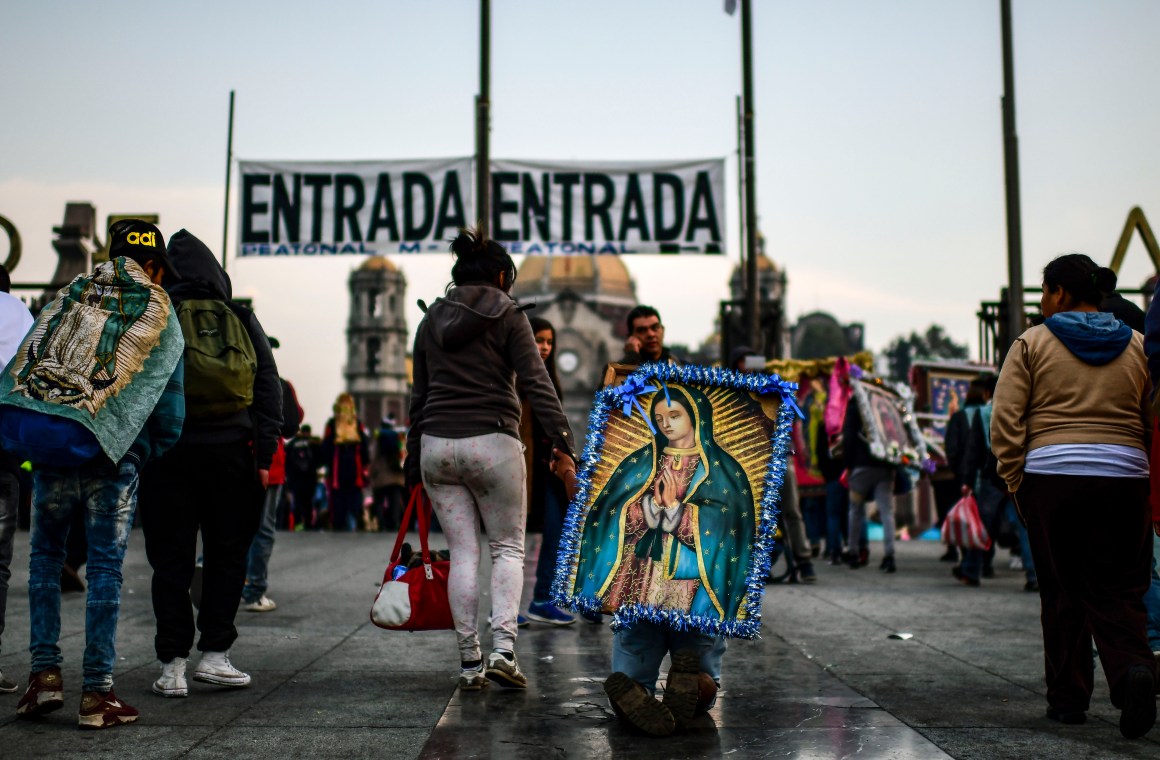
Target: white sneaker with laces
(172,682)
(265,604)
(215,668)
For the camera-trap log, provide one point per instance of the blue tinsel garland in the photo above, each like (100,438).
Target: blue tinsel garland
(622,398)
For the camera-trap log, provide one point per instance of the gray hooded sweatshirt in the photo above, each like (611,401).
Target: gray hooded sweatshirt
(474,356)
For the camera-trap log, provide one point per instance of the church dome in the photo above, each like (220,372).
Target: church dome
(583,275)
(378,263)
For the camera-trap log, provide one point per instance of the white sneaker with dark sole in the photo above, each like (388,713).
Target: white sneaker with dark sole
(172,682)
(265,604)
(215,668)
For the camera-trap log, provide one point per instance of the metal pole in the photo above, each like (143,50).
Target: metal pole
(483,121)
(751,300)
(1015,319)
(741,177)
(229,167)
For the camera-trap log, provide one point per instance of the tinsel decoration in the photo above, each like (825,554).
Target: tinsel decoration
(622,399)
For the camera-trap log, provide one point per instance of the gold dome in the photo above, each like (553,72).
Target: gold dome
(375,263)
(596,274)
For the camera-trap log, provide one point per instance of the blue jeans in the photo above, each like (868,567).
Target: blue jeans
(258,561)
(1152,598)
(550,544)
(1025,549)
(837,510)
(9,504)
(637,652)
(814,513)
(108,495)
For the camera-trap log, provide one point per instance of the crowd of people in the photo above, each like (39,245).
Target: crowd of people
(167,377)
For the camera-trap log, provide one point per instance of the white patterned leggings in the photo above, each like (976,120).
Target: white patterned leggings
(469,479)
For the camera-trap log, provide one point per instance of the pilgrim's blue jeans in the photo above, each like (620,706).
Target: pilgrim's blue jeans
(258,561)
(108,495)
(1152,598)
(549,544)
(638,651)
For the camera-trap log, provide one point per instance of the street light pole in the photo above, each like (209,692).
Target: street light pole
(751,301)
(1015,318)
(229,167)
(483,120)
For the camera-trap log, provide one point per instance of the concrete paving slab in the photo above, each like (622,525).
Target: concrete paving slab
(823,682)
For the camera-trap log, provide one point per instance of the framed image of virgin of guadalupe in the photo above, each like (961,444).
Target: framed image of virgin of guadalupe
(888,422)
(678,499)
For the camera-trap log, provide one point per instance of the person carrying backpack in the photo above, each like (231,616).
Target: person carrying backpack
(214,479)
(93,394)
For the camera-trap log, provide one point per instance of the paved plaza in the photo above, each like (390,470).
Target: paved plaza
(825,681)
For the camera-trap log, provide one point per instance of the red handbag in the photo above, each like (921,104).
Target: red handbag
(963,527)
(414,599)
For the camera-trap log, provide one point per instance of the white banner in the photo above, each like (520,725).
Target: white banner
(326,208)
(569,207)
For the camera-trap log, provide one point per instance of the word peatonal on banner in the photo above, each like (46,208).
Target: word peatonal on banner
(309,208)
(541,207)
(313,208)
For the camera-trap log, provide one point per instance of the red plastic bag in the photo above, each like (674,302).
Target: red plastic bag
(417,599)
(963,527)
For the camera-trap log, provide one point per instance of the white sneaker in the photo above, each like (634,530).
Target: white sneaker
(172,682)
(215,668)
(265,604)
(1016,563)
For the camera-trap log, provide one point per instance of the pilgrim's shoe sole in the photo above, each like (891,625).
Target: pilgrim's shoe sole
(682,689)
(635,706)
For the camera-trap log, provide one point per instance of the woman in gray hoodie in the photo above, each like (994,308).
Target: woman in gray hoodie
(474,357)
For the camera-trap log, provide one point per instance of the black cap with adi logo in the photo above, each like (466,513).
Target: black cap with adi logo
(141,241)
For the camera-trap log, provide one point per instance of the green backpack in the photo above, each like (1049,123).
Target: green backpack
(220,361)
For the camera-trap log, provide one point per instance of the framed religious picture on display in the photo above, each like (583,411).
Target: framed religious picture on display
(888,422)
(616,373)
(678,499)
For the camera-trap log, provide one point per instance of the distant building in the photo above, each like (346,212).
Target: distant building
(771,288)
(376,340)
(818,335)
(586,298)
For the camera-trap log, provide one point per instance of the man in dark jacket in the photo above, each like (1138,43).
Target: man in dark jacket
(213,481)
(646,338)
(958,443)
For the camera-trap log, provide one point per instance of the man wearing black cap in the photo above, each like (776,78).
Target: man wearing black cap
(94,392)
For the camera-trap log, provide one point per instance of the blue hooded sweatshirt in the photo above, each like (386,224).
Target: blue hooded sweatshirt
(1094,337)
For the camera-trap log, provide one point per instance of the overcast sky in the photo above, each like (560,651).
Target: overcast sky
(879,144)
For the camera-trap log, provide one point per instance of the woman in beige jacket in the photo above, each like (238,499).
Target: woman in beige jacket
(1070,432)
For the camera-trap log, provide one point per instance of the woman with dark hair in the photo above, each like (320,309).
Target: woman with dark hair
(474,356)
(547,500)
(1070,432)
